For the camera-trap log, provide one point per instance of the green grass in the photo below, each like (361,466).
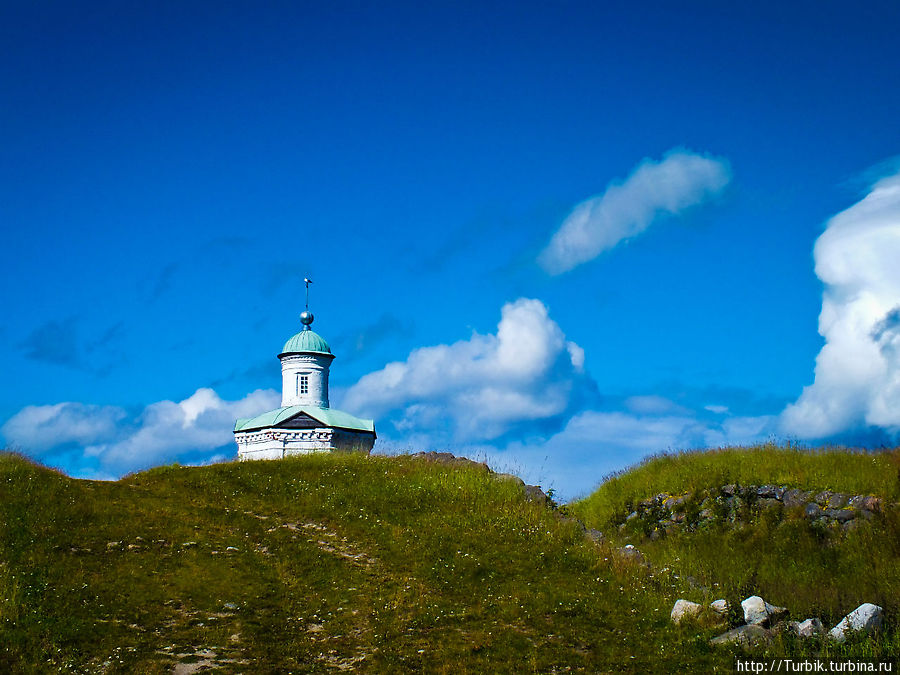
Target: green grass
(373,563)
(814,571)
(392,565)
(835,469)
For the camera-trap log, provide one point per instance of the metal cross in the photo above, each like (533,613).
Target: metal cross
(308,282)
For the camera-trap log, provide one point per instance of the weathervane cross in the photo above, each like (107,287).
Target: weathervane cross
(308,282)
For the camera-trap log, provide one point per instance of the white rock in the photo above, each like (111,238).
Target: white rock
(745,636)
(866,617)
(719,606)
(758,612)
(810,628)
(684,609)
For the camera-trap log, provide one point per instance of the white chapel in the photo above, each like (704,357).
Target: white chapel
(304,423)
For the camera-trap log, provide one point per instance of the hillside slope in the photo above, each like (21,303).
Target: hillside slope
(333,563)
(817,531)
(316,564)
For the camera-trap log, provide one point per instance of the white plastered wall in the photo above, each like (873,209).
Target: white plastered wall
(315,367)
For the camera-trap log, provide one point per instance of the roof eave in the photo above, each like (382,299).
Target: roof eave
(306,352)
(324,426)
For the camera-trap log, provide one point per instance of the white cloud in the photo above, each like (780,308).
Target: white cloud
(38,428)
(480,387)
(653,405)
(746,431)
(680,180)
(203,421)
(164,432)
(857,377)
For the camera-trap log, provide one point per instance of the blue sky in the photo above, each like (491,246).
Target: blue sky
(580,233)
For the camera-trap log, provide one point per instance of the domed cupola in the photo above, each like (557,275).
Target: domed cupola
(305,362)
(307,341)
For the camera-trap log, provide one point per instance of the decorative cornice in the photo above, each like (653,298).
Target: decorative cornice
(283,435)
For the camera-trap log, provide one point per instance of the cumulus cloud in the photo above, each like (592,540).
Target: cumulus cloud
(107,437)
(655,188)
(857,376)
(38,428)
(481,387)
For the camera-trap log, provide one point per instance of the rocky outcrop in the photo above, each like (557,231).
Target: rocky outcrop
(450,459)
(665,513)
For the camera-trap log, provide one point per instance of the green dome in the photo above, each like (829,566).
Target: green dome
(306,341)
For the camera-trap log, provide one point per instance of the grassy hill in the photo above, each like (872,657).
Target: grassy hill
(815,570)
(371,564)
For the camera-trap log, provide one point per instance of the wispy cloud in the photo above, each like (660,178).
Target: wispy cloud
(481,387)
(60,342)
(160,282)
(257,373)
(55,342)
(857,377)
(276,274)
(625,209)
(366,338)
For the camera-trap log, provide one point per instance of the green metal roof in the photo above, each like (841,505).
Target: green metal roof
(306,341)
(329,417)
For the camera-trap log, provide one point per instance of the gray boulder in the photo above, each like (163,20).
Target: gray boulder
(823,497)
(594,535)
(746,636)
(510,478)
(684,609)
(719,606)
(810,628)
(533,493)
(794,498)
(868,503)
(631,553)
(672,503)
(840,515)
(866,618)
(813,510)
(758,612)
(854,524)
(766,491)
(449,459)
(838,501)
